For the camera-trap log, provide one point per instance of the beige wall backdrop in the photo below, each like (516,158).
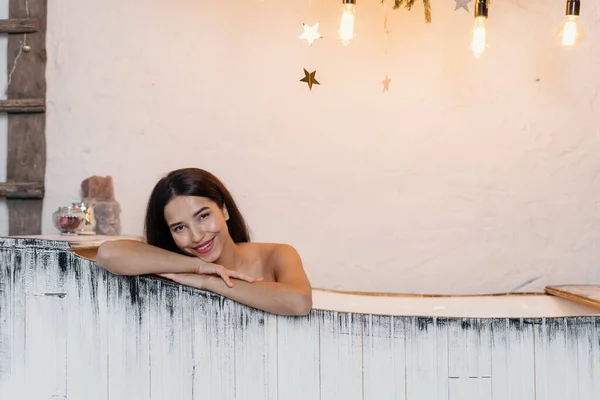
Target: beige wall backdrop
(468,176)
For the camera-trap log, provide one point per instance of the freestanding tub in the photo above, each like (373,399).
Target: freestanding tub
(70,330)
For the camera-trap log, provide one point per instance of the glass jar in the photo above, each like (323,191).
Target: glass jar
(68,220)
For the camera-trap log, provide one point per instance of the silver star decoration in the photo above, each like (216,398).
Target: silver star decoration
(462,4)
(311,33)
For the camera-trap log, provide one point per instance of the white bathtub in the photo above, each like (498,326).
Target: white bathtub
(493,306)
(69,330)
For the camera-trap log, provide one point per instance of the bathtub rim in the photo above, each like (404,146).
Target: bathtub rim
(535,305)
(585,310)
(392,294)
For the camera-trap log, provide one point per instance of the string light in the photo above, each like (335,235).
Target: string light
(479,37)
(23,48)
(569,31)
(346,31)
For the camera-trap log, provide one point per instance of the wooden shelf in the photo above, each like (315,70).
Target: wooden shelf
(585,294)
(22,190)
(18,106)
(19,25)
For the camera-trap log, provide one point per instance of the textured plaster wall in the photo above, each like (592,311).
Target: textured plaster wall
(469,176)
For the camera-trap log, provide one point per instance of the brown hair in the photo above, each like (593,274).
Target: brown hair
(189,182)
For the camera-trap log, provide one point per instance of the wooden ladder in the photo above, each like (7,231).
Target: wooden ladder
(26,107)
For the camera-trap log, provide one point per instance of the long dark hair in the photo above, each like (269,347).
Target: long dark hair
(189,182)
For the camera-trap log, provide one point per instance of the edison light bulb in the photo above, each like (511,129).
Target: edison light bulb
(570,32)
(479,36)
(347,25)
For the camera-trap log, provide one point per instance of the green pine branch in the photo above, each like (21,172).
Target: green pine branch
(408,4)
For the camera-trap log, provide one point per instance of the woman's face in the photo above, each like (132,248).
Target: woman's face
(198,226)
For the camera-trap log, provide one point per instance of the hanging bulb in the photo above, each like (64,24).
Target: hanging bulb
(346,31)
(569,31)
(479,37)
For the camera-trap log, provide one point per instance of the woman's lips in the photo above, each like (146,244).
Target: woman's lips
(205,247)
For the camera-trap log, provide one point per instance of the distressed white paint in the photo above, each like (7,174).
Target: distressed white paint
(469,176)
(298,349)
(383,346)
(513,369)
(70,330)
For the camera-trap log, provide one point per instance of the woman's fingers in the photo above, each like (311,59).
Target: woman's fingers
(215,269)
(225,274)
(243,277)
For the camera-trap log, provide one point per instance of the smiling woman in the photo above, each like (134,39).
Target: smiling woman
(196,236)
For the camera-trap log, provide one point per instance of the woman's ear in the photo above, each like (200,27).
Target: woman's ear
(225,213)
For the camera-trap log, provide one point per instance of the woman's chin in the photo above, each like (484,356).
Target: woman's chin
(211,257)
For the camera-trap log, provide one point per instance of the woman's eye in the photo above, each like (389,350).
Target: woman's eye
(203,216)
(178,228)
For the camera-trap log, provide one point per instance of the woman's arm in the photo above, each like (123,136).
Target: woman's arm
(130,257)
(291,294)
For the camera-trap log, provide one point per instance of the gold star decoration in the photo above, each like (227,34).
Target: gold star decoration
(309,78)
(310,33)
(386,83)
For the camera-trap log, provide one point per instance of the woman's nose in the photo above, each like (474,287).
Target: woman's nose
(197,235)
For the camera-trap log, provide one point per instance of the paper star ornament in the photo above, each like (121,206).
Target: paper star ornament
(462,4)
(309,77)
(386,83)
(311,33)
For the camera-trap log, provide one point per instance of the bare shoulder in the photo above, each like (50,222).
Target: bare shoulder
(286,264)
(278,253)
(281,259)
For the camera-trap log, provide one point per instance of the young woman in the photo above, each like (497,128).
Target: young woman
(196,236)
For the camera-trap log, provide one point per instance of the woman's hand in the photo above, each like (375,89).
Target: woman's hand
(197,280)
(224,273)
